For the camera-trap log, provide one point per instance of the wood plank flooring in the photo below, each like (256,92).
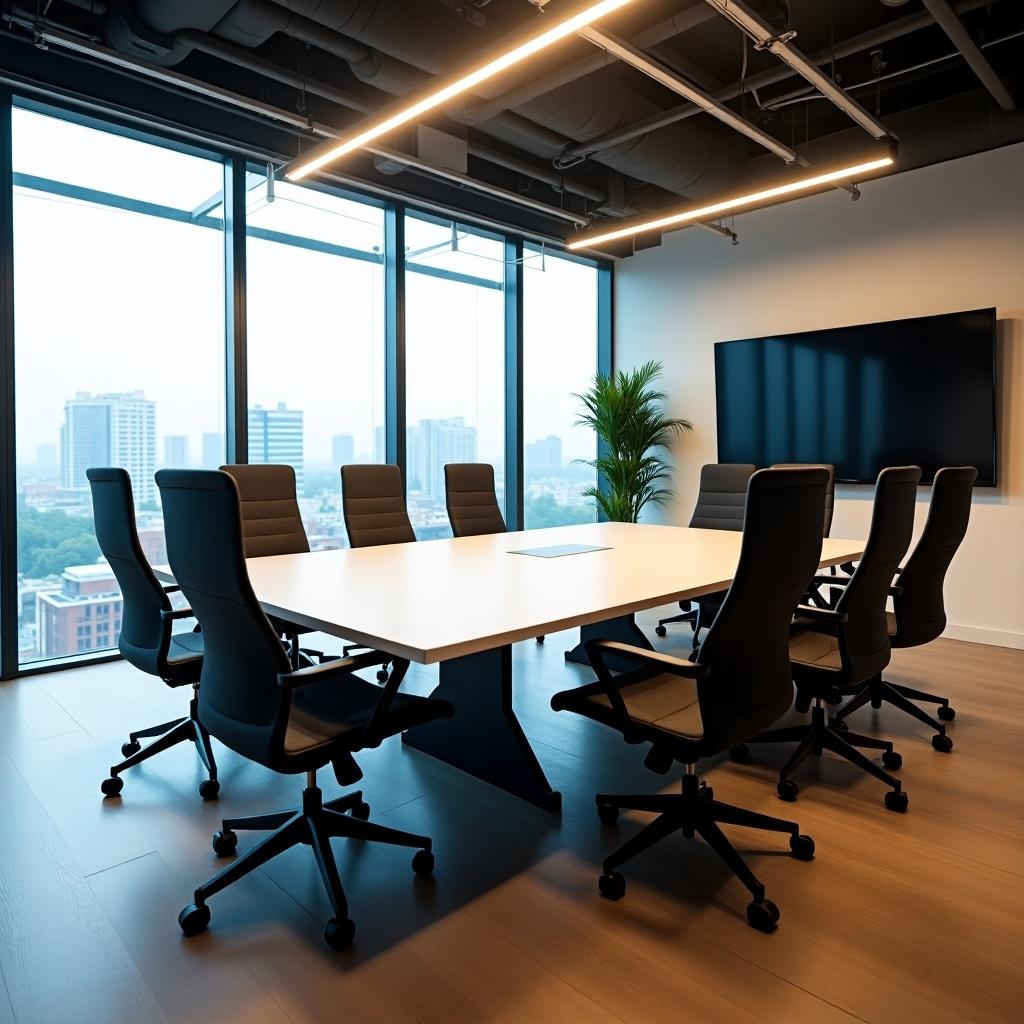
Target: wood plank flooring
(900,918)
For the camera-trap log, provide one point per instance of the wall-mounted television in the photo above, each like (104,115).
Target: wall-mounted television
(906,392)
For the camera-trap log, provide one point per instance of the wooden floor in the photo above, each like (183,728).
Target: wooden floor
(902,918)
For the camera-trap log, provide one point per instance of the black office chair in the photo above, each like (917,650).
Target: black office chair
(720,503)
(147,639)
(919,612)
(740,683)
(834,651)
(473,502)
(471,499)
(272,525)
(373,503)
(255,703)
(830,490)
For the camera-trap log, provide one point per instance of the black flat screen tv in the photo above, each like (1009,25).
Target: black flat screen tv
(907,392)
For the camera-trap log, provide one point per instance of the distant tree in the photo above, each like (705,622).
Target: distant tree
(49,541)
(542,510)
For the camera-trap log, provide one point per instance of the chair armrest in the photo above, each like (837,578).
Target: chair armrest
(830,615)
(168,614)
(314,673)
(831,581)
(677,666)
(170,588)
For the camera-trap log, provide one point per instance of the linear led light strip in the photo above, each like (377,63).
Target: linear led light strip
(432,100)
(715,209)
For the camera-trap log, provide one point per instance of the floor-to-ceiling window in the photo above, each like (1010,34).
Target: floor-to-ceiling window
(119,354)
(315,327)
(560,358)
(455,361)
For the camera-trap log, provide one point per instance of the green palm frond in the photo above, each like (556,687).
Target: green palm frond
(625,412)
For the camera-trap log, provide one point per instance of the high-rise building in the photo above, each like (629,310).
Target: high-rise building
(275,436)
(83,615)
(213,451)
(380,445)
(544,456)
(434,443)
(46,461)
(110,430)
(343,449)
(176,451)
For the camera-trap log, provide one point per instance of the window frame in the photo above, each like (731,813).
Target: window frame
(237,161)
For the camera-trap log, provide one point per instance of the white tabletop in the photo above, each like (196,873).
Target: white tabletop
(435,600)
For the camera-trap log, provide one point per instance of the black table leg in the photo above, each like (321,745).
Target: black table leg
(484,738)
(623,629)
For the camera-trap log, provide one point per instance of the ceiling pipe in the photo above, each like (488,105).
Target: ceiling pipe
(654,69)
(855,44)
(947,19)
(766,38)
(45,33)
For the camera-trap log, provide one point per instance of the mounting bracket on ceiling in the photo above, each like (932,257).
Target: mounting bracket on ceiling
(776,40)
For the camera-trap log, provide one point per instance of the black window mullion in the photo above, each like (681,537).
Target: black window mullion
(514,383)
(394,340)
(9,610)
(605,346)
(236,408)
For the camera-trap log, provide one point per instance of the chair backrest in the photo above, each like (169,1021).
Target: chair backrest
(864,637)
(919,608)
(271,521)
(747,646)
(722,496)
(145,635)
(471,499)
(239,697)
(373,500)
(830,491)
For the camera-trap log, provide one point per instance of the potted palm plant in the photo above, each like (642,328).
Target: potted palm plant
(626,411)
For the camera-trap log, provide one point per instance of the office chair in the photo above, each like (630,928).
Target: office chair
(147,639)
(272,525)
(739,683)
(471,499)
(830,490)
(720,503)
(473,502)
(835,651)
(919,613)
(373,503)
(254,702)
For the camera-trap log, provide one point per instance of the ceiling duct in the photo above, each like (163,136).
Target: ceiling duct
(393,46)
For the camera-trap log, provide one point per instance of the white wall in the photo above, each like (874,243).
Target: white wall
(935,240)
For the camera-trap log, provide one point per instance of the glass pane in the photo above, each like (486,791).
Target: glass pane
(559,362)
(119,334)
(455,362)
(315,294)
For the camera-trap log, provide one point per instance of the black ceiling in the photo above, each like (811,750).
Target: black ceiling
(324,57)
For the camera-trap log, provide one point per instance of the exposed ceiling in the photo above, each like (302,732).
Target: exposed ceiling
(578,130)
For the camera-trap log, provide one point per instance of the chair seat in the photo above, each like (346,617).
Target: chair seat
(818,650)
(184,658)
(663,701)
(323,712)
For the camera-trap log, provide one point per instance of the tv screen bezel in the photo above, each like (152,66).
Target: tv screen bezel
(990,310)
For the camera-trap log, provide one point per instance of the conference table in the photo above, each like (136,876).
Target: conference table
(463,602)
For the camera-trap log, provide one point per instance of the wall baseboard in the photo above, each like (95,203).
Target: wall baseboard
(984,635)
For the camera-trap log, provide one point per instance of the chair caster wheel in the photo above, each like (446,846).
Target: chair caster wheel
(740,753)
(896,800)
(787,790)
(225,843)
(608,813)
(661,630)
(706,792)
(339,934)
(209,788)
(612,886)
(762,915)
(361,810)
(423,863)
(802,847)
(382,676)
(947,714)
(112,786)
(194,919)
(892,760)
(942,743)
(539,639)
(131,747)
